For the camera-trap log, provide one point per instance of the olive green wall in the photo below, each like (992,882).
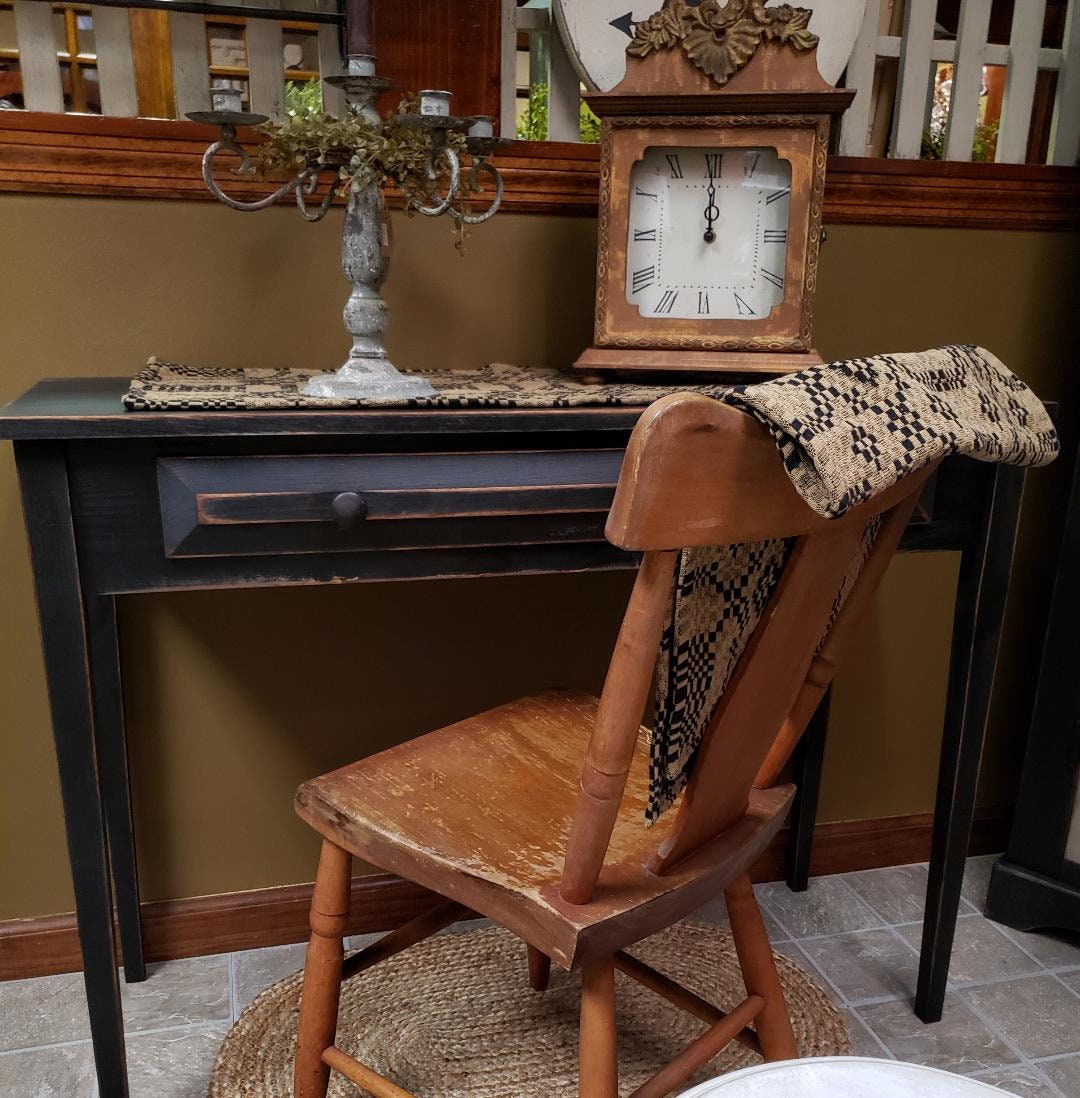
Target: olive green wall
(234,697)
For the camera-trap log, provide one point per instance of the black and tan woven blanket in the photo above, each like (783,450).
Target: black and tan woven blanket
(846,431)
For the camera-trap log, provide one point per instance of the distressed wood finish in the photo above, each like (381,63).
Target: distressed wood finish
(205,925)
(505,813)
(115,61)
(266,81)
(109,461)
(778,101)
(322,972)
(251,506)
(967,79)
(38,67)
(87,155)
(912,85)
(1020,76)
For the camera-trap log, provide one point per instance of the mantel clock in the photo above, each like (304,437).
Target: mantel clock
(711,189)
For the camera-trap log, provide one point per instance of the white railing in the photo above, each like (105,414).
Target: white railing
(40,63)
(913,55)
(894,66)
(919,50)
(547,66)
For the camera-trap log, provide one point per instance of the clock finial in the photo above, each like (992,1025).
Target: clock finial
(720,38)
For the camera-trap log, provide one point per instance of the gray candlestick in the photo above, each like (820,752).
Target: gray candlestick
(368,374)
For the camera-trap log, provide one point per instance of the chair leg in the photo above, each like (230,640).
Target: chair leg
(598,1053)
(773,1024)
(322,972)
(539,969)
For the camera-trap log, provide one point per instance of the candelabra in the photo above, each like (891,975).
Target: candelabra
(368,374)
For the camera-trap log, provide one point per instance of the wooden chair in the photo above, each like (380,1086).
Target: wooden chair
(532,813)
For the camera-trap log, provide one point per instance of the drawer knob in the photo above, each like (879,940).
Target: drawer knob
(349,509)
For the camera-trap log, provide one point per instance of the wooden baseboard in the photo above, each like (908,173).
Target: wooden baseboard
(276,916)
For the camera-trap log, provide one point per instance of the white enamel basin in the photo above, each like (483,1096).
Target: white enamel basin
(842,1077)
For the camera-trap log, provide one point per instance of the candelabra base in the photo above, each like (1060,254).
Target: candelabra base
(372,380)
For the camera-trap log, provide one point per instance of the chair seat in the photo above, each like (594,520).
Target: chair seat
(479,812)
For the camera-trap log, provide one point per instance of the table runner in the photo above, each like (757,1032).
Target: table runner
(167,386)
(845,431)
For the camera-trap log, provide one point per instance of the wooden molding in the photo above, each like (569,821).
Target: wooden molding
(276,916)
(144,158)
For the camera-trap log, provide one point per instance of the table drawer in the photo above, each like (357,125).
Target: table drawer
(242,506)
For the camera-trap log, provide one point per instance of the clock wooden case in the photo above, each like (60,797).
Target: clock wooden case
(710,211)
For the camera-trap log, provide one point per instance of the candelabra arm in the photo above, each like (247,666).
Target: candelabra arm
(228,143)
(445,203)
(308,183)
(482,167)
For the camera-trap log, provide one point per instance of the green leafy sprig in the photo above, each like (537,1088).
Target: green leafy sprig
(364,153)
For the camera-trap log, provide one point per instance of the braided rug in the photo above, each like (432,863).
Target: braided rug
(455,1017)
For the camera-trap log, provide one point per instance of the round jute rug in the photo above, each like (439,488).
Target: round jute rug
(454,1017)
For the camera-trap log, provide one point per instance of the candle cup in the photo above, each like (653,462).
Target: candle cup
(435,104)
(359,65)
(482,126)
(227,99)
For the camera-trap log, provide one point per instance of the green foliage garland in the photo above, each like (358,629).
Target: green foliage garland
(365,153)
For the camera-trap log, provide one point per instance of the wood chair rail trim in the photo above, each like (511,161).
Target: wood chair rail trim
(114,157)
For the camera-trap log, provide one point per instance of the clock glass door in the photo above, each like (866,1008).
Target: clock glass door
(708,233)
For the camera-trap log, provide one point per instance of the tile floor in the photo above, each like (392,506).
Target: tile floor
(1012,1016)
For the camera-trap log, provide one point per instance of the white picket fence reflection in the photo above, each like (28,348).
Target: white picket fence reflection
(921,90)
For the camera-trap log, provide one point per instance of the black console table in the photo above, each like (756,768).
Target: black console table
(118,503)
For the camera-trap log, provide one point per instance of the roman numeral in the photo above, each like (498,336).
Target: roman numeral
(644,278)
(702,303)
(775,279)
(744,309)
(752,164)
(645,194)
(667,302)
(776,236)
(645,234)
(714,163)
(777,195)
(673,163)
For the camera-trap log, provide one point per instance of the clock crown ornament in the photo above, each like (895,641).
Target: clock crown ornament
(721,38)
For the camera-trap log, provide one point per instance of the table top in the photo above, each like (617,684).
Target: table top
(841,1077)
(92,408)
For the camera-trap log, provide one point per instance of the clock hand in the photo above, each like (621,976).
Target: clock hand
(711,212)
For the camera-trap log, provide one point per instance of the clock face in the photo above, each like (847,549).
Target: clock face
(707,235)
(597,32)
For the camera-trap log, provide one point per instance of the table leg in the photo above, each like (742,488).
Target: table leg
(47,507)
(115,782)
(984,581)
(807,765)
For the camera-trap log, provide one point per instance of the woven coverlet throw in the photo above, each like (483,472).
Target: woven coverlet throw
(846,431)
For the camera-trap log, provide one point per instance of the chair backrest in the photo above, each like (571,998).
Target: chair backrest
(699,473)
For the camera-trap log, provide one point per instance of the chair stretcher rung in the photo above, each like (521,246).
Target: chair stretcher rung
(701,1051)
(362,1075)
(676,994)
(397,941)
